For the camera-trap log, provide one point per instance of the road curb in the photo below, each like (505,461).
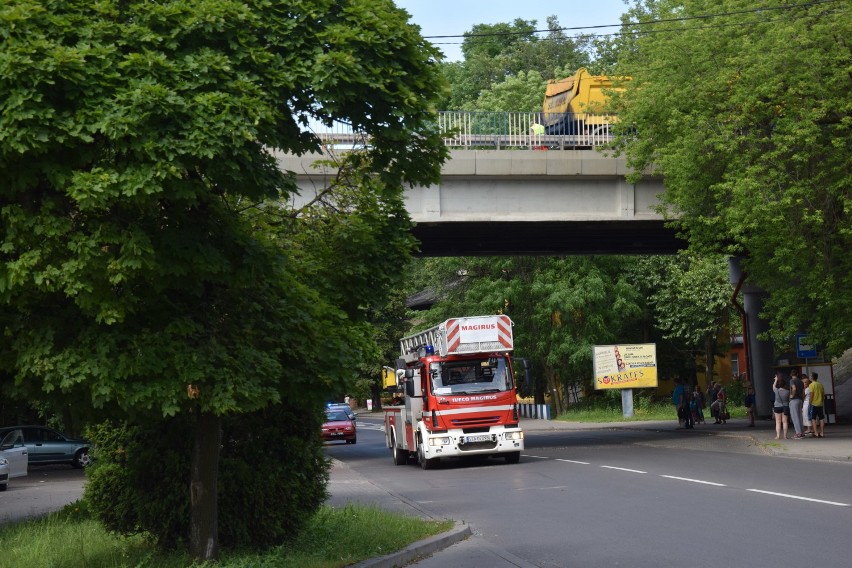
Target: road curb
(419,549)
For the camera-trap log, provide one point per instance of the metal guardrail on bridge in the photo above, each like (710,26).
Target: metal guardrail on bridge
(497,130)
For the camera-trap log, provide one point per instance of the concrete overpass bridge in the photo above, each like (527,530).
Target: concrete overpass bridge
(523,202)
(501,194)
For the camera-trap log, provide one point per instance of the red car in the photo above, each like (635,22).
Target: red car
(338,426)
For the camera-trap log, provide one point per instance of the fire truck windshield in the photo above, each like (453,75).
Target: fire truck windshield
(470,376)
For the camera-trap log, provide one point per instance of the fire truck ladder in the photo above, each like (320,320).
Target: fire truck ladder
(410,346)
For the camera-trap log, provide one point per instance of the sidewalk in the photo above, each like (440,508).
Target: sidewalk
(347,486)
(835,446)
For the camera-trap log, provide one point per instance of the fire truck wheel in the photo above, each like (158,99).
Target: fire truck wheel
(513,457)
(424,463)
(400,456)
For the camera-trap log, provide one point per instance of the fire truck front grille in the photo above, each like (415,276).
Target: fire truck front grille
(471,422)
(477,446)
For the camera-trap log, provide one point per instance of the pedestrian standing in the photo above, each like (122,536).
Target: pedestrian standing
(712,391)
(806,408)
(677,400)
(749,405)
(686,404)
(781,409)
(817,410)
(698,403)
(721,405)
(797,399)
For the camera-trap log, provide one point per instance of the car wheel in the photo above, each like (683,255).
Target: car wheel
(3,487)
(513,457)
(82,459)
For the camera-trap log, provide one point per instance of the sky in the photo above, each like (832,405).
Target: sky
(454,17)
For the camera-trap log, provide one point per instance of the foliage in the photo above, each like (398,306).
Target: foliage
(333,538)
(147,268)
(690,298)
(561,307)
(272,477)
(748,118)
(512,56)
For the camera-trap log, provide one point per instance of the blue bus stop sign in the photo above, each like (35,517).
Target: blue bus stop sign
(804,348)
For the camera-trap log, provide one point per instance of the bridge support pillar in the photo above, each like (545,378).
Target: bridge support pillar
(760,353)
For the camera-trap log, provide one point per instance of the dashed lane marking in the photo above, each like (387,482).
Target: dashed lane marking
(694,480)
(623,469)
(835,503)
(714,484)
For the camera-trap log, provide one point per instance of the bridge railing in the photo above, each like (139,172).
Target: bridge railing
(498,130)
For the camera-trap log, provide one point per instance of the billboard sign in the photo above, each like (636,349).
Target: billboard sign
(625,366)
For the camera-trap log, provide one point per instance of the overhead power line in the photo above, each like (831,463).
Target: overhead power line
(634,24)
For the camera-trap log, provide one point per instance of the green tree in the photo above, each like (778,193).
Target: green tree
(561,307)
(690,297)
(138,272)
(747,116)
(495,54)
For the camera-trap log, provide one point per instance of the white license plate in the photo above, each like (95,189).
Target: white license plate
(480,438)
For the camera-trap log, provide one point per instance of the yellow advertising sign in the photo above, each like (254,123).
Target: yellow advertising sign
(625,366)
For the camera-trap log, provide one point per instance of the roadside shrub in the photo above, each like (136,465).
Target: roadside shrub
(736,391)
(272,477)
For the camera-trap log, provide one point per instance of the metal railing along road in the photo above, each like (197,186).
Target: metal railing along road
(498,130)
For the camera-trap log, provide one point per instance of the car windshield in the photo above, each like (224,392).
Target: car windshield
(470,376)
(336,415)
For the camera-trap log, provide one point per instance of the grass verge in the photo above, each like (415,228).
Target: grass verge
(657,411)
(335,537)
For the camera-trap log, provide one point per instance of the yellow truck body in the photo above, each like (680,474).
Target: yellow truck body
(579,99)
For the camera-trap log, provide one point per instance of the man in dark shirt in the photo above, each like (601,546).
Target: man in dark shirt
(797,398)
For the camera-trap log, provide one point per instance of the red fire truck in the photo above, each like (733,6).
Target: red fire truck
(460,395)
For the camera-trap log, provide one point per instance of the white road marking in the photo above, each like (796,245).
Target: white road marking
(623,469)
(714,484)
(536,457)
(799,498)
(694,480)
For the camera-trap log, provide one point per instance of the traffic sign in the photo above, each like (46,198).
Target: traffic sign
(805,349)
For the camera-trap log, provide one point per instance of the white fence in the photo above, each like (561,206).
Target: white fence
(539,411)
(498,130)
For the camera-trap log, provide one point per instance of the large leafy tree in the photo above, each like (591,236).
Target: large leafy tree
(134,139)
(747,114)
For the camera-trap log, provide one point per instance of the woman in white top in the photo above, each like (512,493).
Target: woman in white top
(806,407)
(782,406)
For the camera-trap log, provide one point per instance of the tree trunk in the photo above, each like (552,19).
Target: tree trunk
(709,355)
(203,489)
(555,391)
(376,395)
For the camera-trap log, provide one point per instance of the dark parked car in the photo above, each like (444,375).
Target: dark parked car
(338,426)
(46,445)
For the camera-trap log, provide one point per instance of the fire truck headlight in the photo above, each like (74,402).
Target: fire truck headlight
(443,441)
(514,435)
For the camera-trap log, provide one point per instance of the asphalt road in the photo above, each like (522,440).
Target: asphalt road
(626,498)
(610,497)
(45,488)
